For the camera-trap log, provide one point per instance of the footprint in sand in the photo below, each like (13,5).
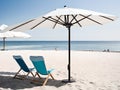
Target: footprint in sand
(78,87)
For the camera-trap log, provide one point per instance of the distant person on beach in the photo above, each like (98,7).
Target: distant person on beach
(108,50)
(55,49)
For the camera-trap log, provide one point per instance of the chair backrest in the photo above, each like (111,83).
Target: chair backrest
(38,62)
(21,63)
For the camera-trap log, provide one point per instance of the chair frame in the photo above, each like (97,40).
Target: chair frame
(38,73)
(17,75)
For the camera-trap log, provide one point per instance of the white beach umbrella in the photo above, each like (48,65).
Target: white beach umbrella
(67,17)
(62,17)
(2,27)
(12,34)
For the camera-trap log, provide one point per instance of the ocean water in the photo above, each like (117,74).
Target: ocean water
(62,45)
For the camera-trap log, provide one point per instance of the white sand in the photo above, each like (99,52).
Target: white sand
(90,70)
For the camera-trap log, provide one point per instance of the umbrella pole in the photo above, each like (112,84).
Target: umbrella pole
(69,58)
(69,54)
(3,43)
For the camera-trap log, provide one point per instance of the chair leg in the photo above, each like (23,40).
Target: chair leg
(32,74)
(52,76)
(17,73)
(46,80)
(38,75)
(25,75)
(35,75)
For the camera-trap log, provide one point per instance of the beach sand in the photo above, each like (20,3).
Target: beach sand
(90,70)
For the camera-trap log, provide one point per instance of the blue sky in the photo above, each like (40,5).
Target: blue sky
(17,11)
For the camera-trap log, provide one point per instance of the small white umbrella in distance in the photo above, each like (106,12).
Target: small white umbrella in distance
(2,27)
(12,34)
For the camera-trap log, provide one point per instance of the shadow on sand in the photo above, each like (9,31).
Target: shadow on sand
(7,82)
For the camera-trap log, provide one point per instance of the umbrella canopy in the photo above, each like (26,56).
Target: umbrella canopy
(66,17)
(12,34)
(3,26)
(62,17)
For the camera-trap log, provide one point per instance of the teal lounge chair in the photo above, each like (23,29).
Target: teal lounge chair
(23,67)
(39,64)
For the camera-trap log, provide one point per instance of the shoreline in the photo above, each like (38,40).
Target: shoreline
(112,46)
(66,50)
